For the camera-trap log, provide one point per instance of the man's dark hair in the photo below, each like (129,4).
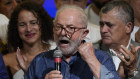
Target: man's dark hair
(124,10)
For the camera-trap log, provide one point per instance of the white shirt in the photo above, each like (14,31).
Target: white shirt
(92,16)
(19,74)
(94,33)
(3,27)
(135,29)
(115,58)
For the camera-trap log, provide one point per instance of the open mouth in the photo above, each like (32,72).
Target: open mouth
(64,41)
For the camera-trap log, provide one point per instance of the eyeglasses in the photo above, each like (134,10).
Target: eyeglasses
(69,29)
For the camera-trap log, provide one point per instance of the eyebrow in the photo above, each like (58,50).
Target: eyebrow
(66,25)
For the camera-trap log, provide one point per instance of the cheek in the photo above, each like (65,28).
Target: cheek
(4,9)
(20,31)
(55,35)
(116,34)
(75,37)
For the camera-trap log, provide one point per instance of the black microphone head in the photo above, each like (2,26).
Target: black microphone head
(57,53)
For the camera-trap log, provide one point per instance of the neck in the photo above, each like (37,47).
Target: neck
(137,22)
(32,50)
(116,46)
(68,57)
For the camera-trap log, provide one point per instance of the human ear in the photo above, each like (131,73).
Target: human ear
(86,31)
(129,27)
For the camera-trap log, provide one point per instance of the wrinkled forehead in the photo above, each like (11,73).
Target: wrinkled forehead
(68,16)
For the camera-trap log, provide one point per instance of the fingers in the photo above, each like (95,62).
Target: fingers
(125,51)
(87,52)
(129,55)
(21,60)
(133,50)
(122,58)
(54,75)
(19,56)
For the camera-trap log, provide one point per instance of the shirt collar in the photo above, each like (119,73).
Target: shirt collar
(73,58)
(113,53)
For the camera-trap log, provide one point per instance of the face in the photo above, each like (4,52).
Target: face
(80,3)
(68,40)
(28,27)
(100,3)
(7,6)
(136,6)
(112,29)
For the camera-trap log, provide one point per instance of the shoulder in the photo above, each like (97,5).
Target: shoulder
(43,56)
(40,65)
(1,60)
(102,55)
(9,58)
(46,54)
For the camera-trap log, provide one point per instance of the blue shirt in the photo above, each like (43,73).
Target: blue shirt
(3,71)
(77,68)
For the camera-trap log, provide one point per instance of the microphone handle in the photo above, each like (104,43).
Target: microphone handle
(58,66)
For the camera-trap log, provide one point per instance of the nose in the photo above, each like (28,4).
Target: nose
(28,28)
(104,29)
(63,32)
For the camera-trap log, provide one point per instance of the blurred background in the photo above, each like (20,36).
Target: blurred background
(50,7)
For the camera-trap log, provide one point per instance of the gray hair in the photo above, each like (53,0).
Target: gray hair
(82,16)
(124,10)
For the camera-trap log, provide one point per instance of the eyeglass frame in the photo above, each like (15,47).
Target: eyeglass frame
(66,31)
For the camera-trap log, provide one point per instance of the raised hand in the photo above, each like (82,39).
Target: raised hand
(129,59)
(86,50)
(87,53)
(22,60)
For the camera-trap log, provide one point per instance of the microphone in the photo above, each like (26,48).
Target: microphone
(57,59)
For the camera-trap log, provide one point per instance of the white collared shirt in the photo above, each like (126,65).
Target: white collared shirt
(115,58)
(135,29)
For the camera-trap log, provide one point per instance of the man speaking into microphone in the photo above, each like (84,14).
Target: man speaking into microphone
(80,60)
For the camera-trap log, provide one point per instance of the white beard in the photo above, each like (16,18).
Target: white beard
(72,45)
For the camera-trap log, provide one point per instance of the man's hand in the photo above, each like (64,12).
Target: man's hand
(87,53)
(54,75)
(121,71)
(86,50)
(22,60)
(129,59)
